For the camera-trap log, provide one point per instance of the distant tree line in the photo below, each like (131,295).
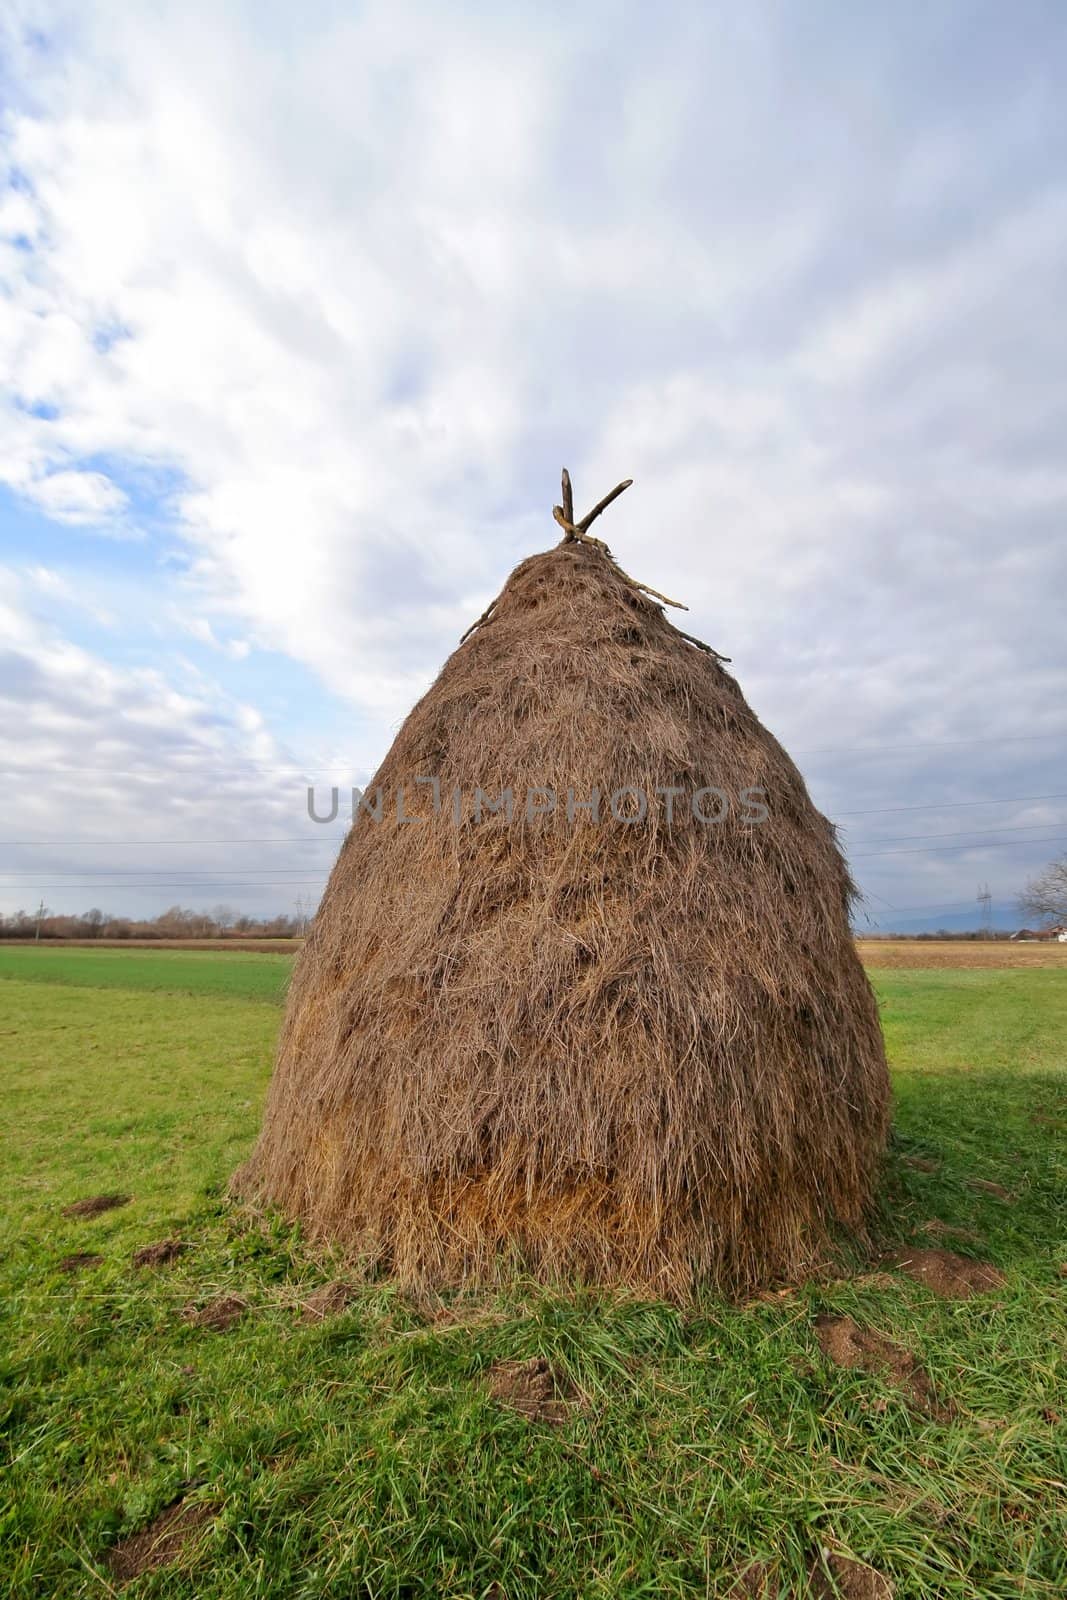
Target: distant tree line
(937,934)
(223,922)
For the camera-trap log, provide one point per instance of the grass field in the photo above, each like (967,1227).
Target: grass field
(373,1453)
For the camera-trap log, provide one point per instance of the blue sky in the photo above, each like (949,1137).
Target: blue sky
(301,314)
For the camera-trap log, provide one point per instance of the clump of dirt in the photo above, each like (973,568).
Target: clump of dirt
(847,1580)
(921,1163)
(218,1315)
(754,1582)
(952,1276)
(531,1388)
(96,1203)
(846,1344)
(158,1255)
(80,1263)
(945,1230)
(329,1301)
(987,1186)
(162,1542)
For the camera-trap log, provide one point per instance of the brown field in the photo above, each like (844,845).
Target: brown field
(873,952)
(960,953)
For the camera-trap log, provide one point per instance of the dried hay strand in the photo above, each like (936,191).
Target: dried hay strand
(630,1052)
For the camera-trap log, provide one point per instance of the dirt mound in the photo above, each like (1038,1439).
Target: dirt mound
(531,1388)
(96,1203)
(80,1262)
(754,1582)
(329,1301)
(955,1277)
(846,1344)
(1046,1119)
(158,1255)
(841,1578)
(218,1315)
(830,1577)
(162,1542)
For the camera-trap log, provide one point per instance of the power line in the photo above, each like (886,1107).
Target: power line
(133,872)
(953,805)
(960,833)
(933,849)
(303,768)
(29,844)
(874,811)
(214,886)
(253,872)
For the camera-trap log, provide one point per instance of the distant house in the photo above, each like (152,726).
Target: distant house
(1042,935)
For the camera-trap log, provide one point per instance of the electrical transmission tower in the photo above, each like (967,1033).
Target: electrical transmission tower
(985,900)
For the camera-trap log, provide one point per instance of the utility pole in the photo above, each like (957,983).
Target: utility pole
(985,900)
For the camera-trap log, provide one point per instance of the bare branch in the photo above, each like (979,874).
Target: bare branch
(1045,896)
(602,505)
(655,594)
(702,646)
(483,618)
(568,497)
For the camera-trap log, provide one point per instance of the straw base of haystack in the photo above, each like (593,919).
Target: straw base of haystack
(484,1229)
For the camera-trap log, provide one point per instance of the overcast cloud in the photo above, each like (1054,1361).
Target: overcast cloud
(303,309)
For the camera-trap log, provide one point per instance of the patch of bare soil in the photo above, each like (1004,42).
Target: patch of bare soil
(329,1301)
(162,1542)
(921,1163)
(846,1344)
(218,1315)
(955,1277)
(531,1388)
(159,1255)
(80,1262)
(754,1582)
(840,1578)
(987,1186)
(960,953)
(96,1203)
(1047,1119)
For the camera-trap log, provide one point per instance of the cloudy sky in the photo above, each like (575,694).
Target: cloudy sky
(302,309)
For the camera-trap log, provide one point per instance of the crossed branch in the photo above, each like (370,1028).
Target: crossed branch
(579,531)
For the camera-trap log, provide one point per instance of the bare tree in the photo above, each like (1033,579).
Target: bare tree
(1045,896)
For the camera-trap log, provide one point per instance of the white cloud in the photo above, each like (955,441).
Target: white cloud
(76,496)
(101,765)
(353,285)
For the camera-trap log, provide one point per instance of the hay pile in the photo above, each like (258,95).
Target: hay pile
(639,1052)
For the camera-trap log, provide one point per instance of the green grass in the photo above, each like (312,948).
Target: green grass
(255,975)
(364,1457)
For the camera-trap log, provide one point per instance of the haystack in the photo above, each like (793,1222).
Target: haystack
(623,1037)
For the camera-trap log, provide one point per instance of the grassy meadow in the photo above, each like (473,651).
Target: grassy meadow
(384,1452)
